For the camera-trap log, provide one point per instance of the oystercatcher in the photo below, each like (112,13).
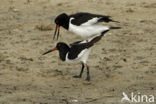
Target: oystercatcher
(79,51)
(83,24)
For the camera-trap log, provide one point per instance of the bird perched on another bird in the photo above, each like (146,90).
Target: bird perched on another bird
(79,51)
(83,24)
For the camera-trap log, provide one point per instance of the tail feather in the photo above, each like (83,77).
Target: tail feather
(115,21)
(91,41)
(107,19)
(97,38)
(115,27)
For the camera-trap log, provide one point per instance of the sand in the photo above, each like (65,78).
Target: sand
(123,61)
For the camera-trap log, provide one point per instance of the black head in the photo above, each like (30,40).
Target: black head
(62,48)
(61,20)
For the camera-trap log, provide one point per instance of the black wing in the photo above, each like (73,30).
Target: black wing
(80,18)
(77,47)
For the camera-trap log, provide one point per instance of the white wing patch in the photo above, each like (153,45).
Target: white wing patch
(92,21)
(89,39)
(83,56)
(86,31)
(82,53)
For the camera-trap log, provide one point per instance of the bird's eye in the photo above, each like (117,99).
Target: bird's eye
(59,45)
(57,21)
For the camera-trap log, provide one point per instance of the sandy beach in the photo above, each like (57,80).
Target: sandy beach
(122,61)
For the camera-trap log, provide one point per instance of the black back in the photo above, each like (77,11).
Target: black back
(84,17)
(62,20)
(77,47)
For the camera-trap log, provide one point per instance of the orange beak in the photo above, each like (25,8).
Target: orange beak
(53,49)
(57,30)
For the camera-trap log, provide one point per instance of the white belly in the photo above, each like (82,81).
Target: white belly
(83,56)
(86,31)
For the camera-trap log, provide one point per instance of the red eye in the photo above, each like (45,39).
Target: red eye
(57,21)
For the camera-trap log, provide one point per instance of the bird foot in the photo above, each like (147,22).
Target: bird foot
(77,76)
(88,78)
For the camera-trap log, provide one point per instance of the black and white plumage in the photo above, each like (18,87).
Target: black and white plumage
(89,19)
(83,24)
(79,51)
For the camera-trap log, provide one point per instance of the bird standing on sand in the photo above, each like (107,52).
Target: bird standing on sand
(78,51)
(85,25)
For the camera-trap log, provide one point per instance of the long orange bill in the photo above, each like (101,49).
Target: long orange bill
(57,29)
(58,33)
(53,49)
